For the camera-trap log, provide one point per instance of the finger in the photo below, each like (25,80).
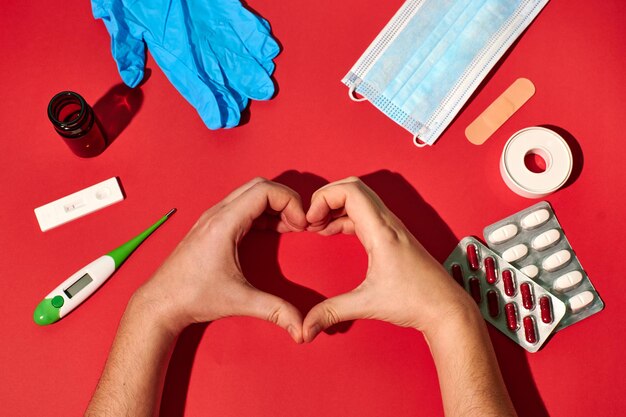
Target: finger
(233,195)
(343,225)
(321,224)
(332,197)
(242,189)
(361,204)
(274,309)
(260,198)
(272,221)
(348,306)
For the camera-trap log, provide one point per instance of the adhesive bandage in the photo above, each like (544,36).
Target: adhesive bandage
(499,111)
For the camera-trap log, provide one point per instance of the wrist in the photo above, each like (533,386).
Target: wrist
(457,321)
(157,310)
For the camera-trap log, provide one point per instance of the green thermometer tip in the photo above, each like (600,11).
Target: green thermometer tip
(121,253)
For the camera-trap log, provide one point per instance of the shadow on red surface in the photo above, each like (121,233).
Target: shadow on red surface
(117,108)
(577,153)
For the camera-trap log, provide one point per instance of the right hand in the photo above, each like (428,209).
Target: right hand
(404,284)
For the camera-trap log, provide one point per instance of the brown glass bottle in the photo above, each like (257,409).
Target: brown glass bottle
(75,121)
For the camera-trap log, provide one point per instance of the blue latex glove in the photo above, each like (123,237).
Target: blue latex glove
(215,52)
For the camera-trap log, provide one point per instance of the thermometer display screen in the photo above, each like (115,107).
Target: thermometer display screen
(78,285)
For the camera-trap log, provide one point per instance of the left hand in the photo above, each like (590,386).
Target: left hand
(202,279)
(404,285)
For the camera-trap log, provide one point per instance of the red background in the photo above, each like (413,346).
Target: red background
(308,134)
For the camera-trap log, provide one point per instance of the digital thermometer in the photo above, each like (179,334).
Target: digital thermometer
(78,287)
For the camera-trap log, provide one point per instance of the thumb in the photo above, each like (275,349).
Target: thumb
(344,307)
(274,309)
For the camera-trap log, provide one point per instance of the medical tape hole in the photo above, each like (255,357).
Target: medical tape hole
(537,160)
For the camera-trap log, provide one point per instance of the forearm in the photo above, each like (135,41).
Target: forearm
(469,376)
(132,379)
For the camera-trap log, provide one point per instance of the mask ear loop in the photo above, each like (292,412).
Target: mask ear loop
(418,144)
(353,97)
(357,99)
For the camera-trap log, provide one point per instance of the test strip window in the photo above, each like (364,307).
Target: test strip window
(78,285)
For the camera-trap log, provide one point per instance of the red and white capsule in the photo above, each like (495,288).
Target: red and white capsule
(474,287)
(529,330)
(511,316)
(527,296)
(472,257)
(546,309)
(491,275)
(509,282)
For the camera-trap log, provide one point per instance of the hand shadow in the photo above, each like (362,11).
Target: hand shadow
(117,107)
(435,235)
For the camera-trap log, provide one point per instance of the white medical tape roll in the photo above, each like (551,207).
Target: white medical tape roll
(548,145)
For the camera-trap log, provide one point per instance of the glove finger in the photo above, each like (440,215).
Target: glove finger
(129,54)
(216,104)
(253,31)
(247,76)
(204,57)
(242,71)
(255,34)
(268,49)
(128,50)
(99,9)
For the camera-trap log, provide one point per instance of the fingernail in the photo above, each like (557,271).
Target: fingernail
(314,331)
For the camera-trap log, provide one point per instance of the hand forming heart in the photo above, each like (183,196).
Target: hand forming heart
(202,279)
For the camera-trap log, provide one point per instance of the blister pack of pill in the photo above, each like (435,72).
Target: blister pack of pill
(516,305)
(533,241)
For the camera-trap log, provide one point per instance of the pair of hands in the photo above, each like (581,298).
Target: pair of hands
(202,279)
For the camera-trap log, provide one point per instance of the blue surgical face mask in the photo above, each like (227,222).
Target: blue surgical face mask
(432,55)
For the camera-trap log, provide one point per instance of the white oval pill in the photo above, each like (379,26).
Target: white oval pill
(502,234)
(515,253)
(546,239)
(556,260)
(568,281)
(530,271)
(580,301)
(536,218)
